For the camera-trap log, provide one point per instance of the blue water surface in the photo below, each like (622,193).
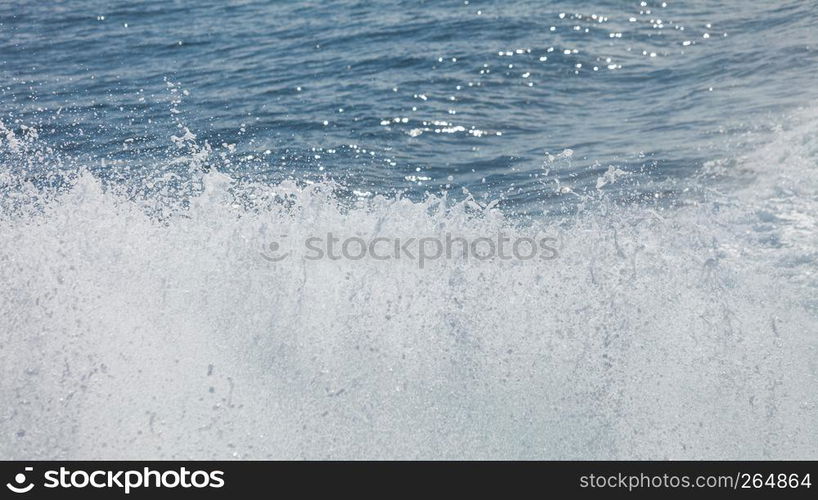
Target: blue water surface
(409,95)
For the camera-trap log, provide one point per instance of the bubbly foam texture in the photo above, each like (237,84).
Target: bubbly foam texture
(150,326)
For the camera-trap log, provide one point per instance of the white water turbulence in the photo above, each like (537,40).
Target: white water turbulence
(146,324)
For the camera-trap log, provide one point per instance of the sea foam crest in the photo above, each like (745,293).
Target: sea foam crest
(140,323)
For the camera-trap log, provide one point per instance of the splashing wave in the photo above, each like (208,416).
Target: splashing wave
(142,322)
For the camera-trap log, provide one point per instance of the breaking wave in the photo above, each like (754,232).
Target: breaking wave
(143,321)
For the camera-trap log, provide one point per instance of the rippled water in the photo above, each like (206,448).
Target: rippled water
(149,151)
(406,94)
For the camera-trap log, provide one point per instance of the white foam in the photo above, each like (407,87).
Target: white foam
(127,334)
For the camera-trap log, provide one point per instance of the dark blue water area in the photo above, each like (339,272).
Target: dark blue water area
(408,96)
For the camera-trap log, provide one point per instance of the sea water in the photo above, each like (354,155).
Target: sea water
(151,153)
